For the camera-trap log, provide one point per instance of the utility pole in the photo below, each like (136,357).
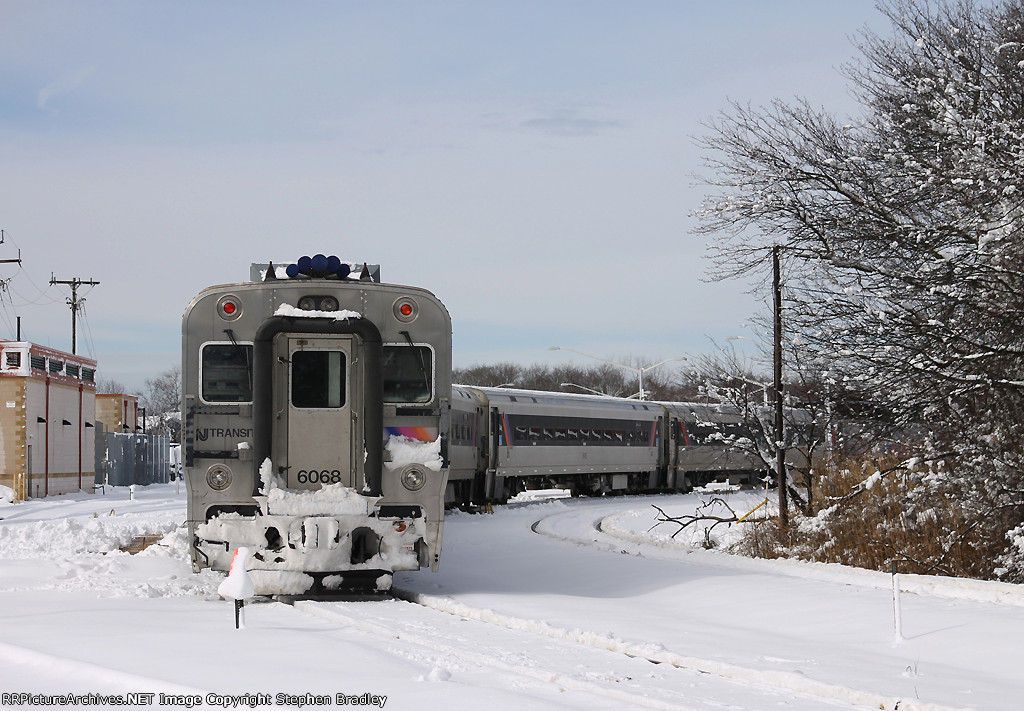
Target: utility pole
(780,447)
(75,303)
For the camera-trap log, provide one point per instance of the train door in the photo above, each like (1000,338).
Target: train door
(317,401)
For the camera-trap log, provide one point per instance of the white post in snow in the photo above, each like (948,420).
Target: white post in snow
(238,585)
(896,612)
(131,492)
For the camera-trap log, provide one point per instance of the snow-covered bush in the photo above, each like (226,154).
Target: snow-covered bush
(879,512)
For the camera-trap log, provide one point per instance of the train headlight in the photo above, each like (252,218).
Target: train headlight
(218,477)
(414,477)
(318,303)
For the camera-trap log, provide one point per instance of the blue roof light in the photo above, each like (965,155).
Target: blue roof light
(319,266)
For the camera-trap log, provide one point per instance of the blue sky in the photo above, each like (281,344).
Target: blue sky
(529,162)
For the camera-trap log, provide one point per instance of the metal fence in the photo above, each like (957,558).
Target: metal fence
(129,459)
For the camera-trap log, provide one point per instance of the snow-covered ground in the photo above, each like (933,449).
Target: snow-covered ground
(552,604)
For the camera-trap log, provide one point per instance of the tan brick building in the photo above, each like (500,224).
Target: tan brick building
(118,413)
(47,420)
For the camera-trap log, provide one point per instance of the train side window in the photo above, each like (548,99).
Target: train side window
(408,374)
(318,379)
(226,372)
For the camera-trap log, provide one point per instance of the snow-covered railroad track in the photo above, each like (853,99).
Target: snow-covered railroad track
(577,661)
(815,692)
(656,653)
(449,642)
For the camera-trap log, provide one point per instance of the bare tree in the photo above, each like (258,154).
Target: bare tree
(111,385)
(162,400)
(665,384)
(902,234)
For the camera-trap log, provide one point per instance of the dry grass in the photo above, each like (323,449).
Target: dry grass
(904,517)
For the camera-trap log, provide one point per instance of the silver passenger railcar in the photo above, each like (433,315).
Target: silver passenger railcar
(315,412)
(712,442)
(504,441)
(521,439)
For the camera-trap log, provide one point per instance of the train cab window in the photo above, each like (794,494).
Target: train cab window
(408,374)
(226,372)
(318,379)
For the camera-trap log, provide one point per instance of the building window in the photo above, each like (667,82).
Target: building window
(56,366)
(14,360)
(88,375)
(73,370)
(38,362)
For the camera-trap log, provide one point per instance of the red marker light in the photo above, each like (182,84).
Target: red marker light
(229,307)
(405,309)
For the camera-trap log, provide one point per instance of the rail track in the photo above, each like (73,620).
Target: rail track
(449,635)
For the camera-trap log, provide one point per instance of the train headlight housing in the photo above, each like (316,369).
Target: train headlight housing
(414,477)
(318,303)
(218,477)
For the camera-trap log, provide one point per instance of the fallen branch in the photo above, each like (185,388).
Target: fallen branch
(701,515)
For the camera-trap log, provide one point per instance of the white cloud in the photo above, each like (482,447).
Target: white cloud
(63,84)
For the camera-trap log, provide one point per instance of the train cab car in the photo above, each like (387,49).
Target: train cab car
(315,410)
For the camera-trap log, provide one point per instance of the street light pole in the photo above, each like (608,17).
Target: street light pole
(639,371)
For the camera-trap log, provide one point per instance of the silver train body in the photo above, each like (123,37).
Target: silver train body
(504,441)
(314,411)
